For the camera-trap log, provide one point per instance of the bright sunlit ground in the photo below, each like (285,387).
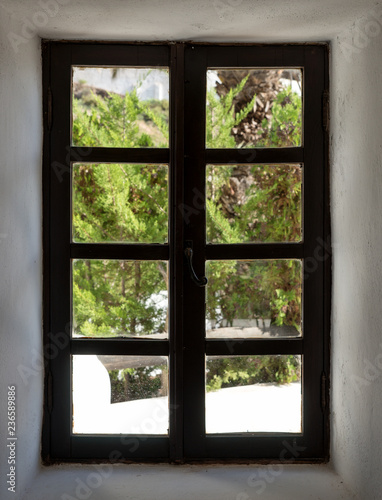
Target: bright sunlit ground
(253,408)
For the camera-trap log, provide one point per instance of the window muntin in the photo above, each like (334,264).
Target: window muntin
(188,160)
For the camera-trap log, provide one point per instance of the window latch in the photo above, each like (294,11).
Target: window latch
(188,253)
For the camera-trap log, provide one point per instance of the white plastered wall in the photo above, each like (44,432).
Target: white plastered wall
(356,121)
(356,207)
(20,250)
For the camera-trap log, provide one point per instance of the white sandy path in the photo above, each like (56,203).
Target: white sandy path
(254,408)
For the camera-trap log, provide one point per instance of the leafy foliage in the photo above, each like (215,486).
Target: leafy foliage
(269,210)
(129,203)
(120,203)
(114,122)
(221,118)
(248,370)
(254,289)
(285,127)
(119,298)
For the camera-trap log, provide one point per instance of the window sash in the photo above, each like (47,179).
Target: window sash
(187,158)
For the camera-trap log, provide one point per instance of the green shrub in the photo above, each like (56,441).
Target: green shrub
(249,370)
(135,383)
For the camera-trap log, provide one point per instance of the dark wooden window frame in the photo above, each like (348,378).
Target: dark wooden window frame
(187,158)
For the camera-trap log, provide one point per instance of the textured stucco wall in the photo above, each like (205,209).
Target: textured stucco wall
(357,269)
(20,251)
(356,175)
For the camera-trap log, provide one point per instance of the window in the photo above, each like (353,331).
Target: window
(166,166)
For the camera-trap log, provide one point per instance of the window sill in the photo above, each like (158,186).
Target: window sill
(168,482)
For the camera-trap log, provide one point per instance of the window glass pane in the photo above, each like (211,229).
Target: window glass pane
(120,203)
(119,298)
(120,107)
(258,203)
(120,394)
(253,394)
(253,299)
(256,107)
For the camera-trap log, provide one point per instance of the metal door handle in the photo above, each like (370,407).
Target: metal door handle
(198,281)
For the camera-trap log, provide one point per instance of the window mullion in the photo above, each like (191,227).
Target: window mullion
(176,255)
(194,232)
